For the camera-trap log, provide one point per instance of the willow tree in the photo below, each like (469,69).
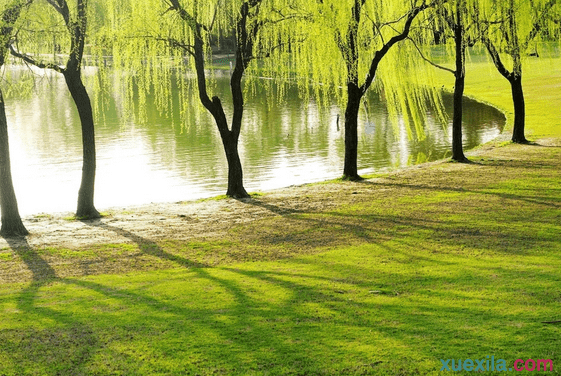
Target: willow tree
(458,20)
(456,16)
(75,22)
(348,41)
(11,220)
(508,28)
(155,38)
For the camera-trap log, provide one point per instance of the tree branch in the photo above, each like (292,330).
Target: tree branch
(174,43)
(214,16)
(276,47)
(62,8)
(428,60)
(185,16)
(39,64)
(395,39)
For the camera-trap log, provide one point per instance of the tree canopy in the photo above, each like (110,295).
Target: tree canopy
(327,48)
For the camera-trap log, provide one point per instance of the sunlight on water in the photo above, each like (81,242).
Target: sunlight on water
(162,161)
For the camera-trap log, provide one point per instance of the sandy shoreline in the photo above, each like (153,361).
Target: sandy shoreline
(182,220)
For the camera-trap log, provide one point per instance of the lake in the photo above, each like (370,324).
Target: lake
(165,159)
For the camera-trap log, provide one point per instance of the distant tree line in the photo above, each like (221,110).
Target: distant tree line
(340,48)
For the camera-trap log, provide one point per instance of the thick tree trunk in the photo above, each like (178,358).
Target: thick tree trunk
(519,109)
(354,95)
(86,208)
(235,173)
(11,220)
(457,146)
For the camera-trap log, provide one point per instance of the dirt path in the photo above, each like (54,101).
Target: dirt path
(185,220)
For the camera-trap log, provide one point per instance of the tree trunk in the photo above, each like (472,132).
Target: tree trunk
(519,109)
(86,208)
(354,95)
(11,220)
(235,173)
(457,146)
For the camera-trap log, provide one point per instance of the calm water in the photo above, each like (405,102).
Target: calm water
(167,161)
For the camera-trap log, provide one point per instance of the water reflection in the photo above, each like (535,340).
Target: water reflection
(165,160)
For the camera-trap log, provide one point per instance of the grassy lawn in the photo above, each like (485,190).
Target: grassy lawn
(434,262)
(542,88)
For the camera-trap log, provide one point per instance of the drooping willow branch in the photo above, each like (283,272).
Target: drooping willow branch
(428,60)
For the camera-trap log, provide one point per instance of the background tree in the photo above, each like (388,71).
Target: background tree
(11,220)
(183,30)
(456,19)
(76,27)
(508,27)
(459,18)
(362,32)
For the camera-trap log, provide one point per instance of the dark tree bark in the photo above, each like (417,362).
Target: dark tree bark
(245,37)
(350,51)
(354,96)
(457,146)
(515,48)
(515,81)
(519,109)
(11,220)
(235,173)
(73,77)
(86,208)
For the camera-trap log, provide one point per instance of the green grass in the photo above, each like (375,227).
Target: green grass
(361,310)
(542,84)
(214,198)
(72,218)
(371,287)
(447,261)
(43,215)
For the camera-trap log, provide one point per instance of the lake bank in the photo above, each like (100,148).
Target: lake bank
(175,156)
(213,221)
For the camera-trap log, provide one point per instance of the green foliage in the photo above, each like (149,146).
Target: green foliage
(514,26)
(541,80)
(326,62)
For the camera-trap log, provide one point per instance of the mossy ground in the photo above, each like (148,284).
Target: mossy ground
(382,277)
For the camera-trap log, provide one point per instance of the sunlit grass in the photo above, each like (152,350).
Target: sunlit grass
(542,84)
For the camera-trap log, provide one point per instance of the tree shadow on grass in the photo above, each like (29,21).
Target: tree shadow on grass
(310,219)
(41,271)
(145,245)
(424,320)
(537,144)
(541,200)
(272,208)
(268,320)
(67,348)
(453,233)
(298,323)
